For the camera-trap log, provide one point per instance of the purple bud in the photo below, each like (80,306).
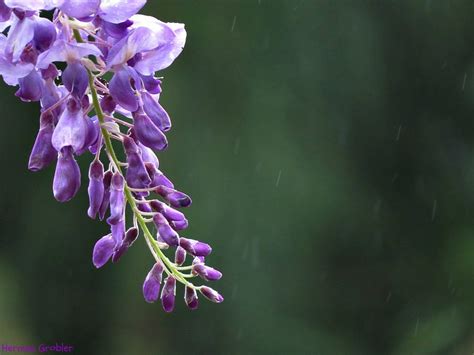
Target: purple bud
(137,175)
(148,134)
(211,295)
(67,178)
(168,294)
(191,298)
(43,152)
(156,112)
(206,272)
(179,225)
(144,207)
(199,260)
(176,198)
(195,247)
(180,256)
(117,199)
(149,156)
(96,188)
(106,199)
(151,286)
(103,250)
(170,213)
(165,231)
(127,242)
(75,79)
(159,179)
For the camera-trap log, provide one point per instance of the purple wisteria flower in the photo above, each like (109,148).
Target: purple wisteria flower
(82,113)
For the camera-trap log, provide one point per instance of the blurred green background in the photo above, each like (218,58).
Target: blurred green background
(328,147)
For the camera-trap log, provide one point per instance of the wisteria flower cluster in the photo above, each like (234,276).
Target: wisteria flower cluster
(92,64)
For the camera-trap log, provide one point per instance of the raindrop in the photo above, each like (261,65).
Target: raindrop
(278,179)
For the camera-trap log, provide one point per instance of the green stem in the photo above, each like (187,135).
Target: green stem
(169,266)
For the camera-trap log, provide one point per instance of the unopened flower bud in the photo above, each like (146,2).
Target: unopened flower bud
(168,294)
(206,272)
(191,298)
(96,188)
(211,295)
(176,198)
(152,284)
(195,247)
(67,177)
(180,256)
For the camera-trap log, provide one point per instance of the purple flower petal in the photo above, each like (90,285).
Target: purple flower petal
(106,199)
(168,294)
(180,256)
(206,272)
(151,286)
(43,152)
(67,177)
(80,9)
(44,34)
(103,250)
(195,247)
(117,199)
(156,112)
(75,79)
(96,188)
(137,175)
(31,87)
(211,295)
(191,298)
(165,231)
(72,128)
(122,90)
(148,134)
(130,236)
(117,11)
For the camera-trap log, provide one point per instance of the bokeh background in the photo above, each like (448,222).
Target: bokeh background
(328,147)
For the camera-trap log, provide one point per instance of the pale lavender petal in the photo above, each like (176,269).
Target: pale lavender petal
(20,34)
(80,9)
(117,11)
(72,128)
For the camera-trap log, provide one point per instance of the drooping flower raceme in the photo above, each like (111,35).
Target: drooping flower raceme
(93,70)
